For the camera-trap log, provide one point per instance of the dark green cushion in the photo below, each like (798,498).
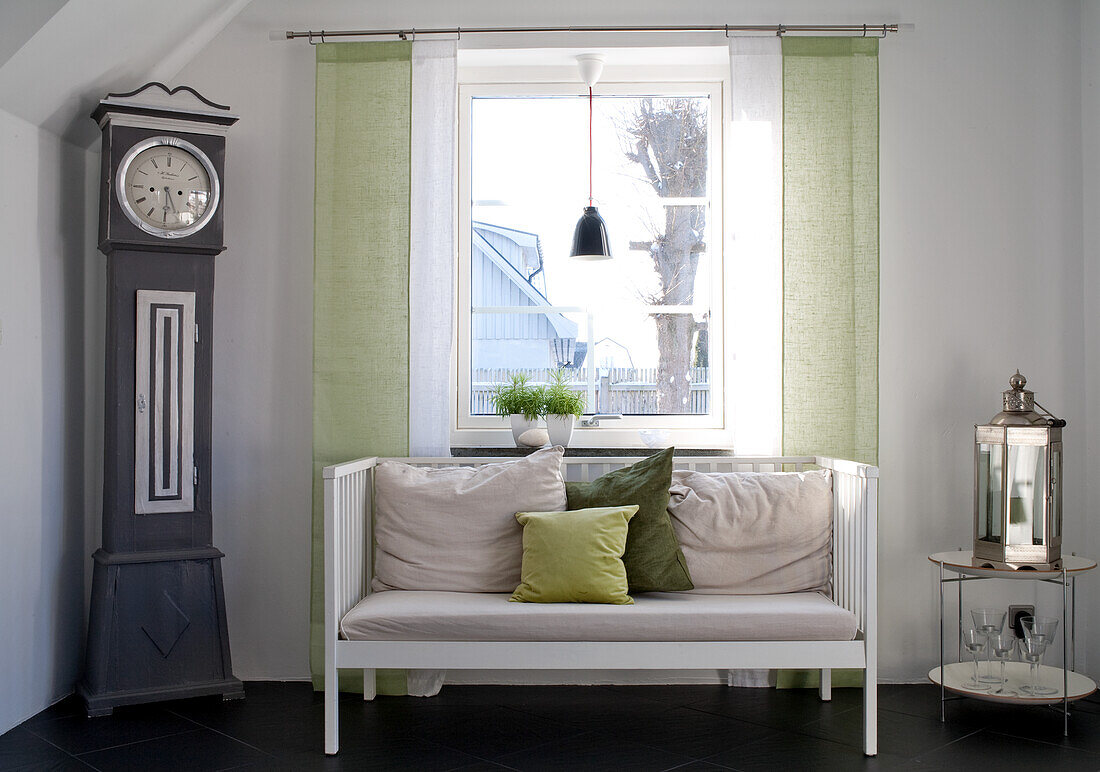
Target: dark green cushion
(653,560)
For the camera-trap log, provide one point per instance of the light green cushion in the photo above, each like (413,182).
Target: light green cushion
(653,560)
(574,557)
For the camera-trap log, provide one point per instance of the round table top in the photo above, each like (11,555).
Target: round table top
(962,562)
(957,674)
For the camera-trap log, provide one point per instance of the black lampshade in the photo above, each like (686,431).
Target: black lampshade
(590,237)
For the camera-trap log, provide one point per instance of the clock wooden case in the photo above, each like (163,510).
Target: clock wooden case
(114,225)
(157,627)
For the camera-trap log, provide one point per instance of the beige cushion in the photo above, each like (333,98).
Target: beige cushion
(754,533)
(655,616)
(454,528)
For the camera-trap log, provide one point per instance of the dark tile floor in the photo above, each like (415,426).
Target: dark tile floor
(279,726)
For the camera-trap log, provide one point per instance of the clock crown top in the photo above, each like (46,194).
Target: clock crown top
(154,99)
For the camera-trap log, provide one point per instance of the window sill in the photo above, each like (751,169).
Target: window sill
(611,437)
(509,452)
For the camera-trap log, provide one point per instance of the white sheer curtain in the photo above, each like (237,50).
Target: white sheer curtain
(754,217)
(431,245)
(431,266)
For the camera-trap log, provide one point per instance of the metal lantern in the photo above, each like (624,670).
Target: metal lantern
(1018,485)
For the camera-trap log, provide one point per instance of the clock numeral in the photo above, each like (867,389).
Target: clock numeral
(150,212)
(193,178)
(140,199)
(136,185)
(154,163)
(139,171)
(169,162)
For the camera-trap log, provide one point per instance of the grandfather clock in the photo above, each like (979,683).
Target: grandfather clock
(157,629)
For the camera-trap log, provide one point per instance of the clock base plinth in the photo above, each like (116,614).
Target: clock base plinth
(105,704)
(157,629)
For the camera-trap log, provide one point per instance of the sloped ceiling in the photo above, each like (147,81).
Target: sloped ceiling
(21,21)
(58,58)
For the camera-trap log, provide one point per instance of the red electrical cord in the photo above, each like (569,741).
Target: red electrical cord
(590,146)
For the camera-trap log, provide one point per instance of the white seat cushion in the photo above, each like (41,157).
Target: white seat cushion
(403,615)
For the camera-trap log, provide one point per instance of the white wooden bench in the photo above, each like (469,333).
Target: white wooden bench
(348,491)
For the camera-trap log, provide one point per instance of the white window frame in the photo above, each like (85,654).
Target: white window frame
(714,430)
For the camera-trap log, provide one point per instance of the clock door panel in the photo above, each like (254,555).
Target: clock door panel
(164,418)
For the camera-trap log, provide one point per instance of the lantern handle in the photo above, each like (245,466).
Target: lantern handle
(1054,422)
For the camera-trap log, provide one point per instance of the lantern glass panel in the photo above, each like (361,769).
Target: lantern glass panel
(1027,481)
(1056,492)
(990,494)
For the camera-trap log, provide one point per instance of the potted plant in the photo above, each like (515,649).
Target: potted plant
(521,402)
(561,406)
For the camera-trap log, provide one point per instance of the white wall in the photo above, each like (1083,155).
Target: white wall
(263,351)
(42,280)
(1090,205)
(981,272)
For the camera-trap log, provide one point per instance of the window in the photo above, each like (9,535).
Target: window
(640,335)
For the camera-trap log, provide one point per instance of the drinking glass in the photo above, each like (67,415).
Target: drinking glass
(1039,633)
(974,642)
(1001,646)
(1032,649)
(989,622)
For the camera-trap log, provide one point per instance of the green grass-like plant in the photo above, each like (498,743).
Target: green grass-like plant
(560,398)
(519,397)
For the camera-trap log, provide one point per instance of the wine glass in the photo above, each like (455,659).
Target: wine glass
(1001,646)
(974,642)
(1032,649)
(989,622)
(1039,633)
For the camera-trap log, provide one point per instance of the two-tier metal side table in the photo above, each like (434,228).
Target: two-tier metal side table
(952,677)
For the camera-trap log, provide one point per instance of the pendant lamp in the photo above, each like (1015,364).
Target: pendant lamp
(590,236)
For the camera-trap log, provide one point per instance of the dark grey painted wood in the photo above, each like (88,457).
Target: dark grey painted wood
(116,230)
(157,628)
(127,272)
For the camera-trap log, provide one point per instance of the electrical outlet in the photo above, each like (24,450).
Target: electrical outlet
(1015,614)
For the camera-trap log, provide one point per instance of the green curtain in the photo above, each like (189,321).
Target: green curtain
(360,280)
(830,247)
(830,260)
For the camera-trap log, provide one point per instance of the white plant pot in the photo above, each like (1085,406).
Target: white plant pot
(560,429)
(521,425)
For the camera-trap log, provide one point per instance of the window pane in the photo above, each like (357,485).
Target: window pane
(990,493)
(529,185)
(1056,491)
(1027,483)
(548,339)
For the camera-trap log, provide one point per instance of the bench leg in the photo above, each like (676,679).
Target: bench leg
(826,687)
(870,712)
(332,708)
(369,684)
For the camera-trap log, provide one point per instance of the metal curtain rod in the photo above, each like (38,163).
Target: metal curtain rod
(862,30)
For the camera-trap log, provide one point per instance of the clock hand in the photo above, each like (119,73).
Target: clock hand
(168,196)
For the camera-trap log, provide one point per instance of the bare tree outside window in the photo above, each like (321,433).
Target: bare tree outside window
(667,139)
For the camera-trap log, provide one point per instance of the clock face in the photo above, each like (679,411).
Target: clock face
(167,187)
